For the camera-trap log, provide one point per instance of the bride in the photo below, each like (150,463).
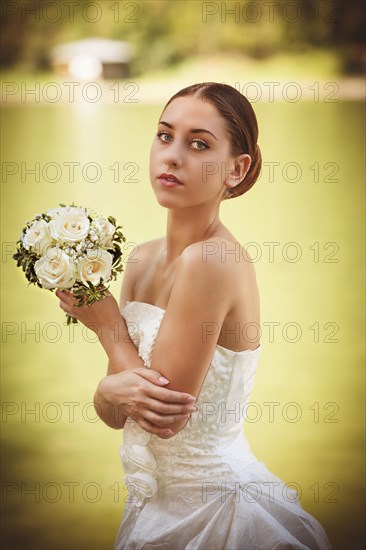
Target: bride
(182,368)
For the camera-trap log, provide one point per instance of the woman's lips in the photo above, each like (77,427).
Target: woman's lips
(169,183)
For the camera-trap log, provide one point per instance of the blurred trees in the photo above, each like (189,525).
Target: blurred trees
(166,32)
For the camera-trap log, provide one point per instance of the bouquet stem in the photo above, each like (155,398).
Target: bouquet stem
(70,320)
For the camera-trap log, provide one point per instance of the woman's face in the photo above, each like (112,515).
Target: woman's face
(192,145)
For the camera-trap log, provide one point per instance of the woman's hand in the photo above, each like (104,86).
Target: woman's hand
(138,393)
(97,316)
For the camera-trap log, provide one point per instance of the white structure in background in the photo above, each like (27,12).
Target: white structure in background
(92,58)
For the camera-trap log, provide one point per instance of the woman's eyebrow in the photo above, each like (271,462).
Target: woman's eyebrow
(193,130)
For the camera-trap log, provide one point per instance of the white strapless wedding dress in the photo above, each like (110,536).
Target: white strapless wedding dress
(204,489)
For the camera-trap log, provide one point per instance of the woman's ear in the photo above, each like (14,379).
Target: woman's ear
(241,167)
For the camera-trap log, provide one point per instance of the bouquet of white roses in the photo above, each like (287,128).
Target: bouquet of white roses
(72,248)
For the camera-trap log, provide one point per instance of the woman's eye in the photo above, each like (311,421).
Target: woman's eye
(202,145)
(162,134)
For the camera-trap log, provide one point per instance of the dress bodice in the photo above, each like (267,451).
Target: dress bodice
(216,429)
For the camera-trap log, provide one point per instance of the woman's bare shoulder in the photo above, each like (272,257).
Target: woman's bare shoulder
(145,249)
(142,254)
(225,249)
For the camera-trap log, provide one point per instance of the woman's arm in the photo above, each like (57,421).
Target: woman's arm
(129,388)
(104,318)
(202,295)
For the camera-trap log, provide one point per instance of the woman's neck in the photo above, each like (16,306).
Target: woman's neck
(186,226)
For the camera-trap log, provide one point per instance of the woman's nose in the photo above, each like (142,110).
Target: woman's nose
(173,155)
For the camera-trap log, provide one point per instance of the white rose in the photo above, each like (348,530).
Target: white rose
(97,264)
(37,236)
(55,270)
(70,226)
(106,231)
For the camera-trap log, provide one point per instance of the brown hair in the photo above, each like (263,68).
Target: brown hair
(241,125)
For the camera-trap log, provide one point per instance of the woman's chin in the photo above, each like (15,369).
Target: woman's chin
(167,201)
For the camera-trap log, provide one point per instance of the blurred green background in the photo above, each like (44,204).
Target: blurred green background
(62,484)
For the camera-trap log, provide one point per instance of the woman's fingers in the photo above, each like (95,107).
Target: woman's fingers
(170,396)
(142,410)
(157,391)
(163,433)
(63,295)
(160,399)
(66,297)
(164,420)
(64,304)
(169,408)
(67,302)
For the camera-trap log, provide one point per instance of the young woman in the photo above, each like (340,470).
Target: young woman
(189,311)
